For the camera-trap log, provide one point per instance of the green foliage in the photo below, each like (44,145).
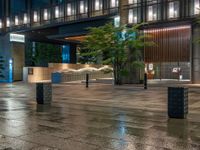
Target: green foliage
(1,67)
(116,46)
(44,54)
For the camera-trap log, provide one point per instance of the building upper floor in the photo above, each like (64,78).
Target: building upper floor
(23,14)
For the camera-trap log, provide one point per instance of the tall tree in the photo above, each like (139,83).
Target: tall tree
(118,46)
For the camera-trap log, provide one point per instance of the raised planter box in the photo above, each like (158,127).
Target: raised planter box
(44,93)
(177,102)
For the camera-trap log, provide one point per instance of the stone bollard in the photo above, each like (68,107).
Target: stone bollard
(44,93)
(87,80)
(177,102)
(145,81)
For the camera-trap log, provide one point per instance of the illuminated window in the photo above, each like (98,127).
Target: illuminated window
(152,13)
(98,5)
(57,12)
(16,20)
(45,14)
(35,16)
(133,1)
(25,20)
(196,7)
(133,16)
(173,9)
(69,9)
(1,25)
(8,22)
(114,3)
(83,7)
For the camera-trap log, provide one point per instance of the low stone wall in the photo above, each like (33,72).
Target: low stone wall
(38,74)
(67,77)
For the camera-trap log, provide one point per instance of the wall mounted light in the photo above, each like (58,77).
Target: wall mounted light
(57,12)
(16,20)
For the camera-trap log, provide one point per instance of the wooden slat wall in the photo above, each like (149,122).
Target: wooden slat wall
(172,45)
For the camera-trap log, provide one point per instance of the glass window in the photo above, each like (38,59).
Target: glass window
(70,9)
(98,5)
(196,5)
(83,7)
(114,3)
(173,9)
(133,16)
(133,1)
(153,10)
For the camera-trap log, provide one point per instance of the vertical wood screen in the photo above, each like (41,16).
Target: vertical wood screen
(171,45)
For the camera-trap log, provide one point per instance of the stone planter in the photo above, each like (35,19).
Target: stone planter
(44,93)
(177,102)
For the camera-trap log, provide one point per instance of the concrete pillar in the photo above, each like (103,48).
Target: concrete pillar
(13,55)
(195,57)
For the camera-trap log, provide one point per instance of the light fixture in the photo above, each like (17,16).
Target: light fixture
(35,16)
(8,22)
(45,14)
(57,12)
(16,20)
(1,25)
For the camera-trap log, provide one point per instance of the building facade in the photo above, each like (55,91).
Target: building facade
(172,25)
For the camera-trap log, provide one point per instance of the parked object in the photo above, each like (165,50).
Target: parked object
(177,102)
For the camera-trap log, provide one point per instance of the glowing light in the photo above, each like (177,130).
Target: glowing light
(1,25)
(57,12)
(8,22)
(69,9)
(81,7)
(17,38)
(45,14)
(168,29)
(25,19)
(16,20)
(196,7)
(35,16)
(130,16)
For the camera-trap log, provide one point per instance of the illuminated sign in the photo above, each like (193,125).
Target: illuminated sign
(17,38)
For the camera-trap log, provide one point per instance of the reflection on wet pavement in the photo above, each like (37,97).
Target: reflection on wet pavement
(98,118)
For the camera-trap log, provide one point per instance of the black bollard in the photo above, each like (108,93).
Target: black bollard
(87,80)
(145,81)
